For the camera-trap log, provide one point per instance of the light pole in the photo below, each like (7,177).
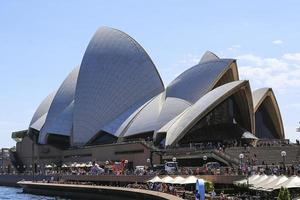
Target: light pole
(204,159)
(106,166)
(241,156)
(283,155)
(148,161)
(174,159)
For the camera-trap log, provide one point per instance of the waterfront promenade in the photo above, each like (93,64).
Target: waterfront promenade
(93,191)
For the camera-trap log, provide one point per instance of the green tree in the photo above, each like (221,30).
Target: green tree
(284,194)
(209,186)
(287,194)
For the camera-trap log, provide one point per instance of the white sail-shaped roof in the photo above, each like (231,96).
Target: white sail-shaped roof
(42,111)
(116,78)
(63,98)
(265,97)
(185,90)
(202,107)
(208,56)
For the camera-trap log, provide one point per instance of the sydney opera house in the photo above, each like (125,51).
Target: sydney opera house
(116,98)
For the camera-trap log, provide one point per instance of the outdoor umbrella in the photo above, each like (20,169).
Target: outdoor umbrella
(90,164)
(190,180)
(244,181)
(156,179)
(258,180)
(178,180)
(265,182)
(292,182)
(167,179)
(64,166)
(271,185)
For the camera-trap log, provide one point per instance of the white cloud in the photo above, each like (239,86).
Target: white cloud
(234,47)
(277,42)
(292,56)
(278,73)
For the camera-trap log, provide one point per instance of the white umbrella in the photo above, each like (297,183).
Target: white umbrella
(155,179)
(78,165)
(265,182)
(292,182)
(82,165)
(64,166)
(258,180)
(90,164)
(48,166)
(178,180)
(190,180)
(244,181)
(167,179)
(271,185)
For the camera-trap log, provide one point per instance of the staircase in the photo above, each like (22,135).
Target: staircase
(269,154)
(16,161)
(227,159)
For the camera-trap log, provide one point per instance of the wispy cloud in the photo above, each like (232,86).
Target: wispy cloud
(292,56)
(277,42)
(279,73)
(234,47)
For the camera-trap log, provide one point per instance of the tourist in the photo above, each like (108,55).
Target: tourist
(213,194)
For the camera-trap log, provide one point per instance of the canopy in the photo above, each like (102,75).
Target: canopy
(64,166)
(78,165)
(190,180)
(244,181)
(292,182)
(258,180)
(167,179)
(248,135)
(90,164)
(271,185)
(265,182)
(178,180)
(82,165)
(155,179)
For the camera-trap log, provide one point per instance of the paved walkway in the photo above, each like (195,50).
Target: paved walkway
(142,191)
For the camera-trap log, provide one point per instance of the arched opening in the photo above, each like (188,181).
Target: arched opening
(226,122)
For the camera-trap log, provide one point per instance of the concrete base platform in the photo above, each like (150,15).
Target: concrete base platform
(92,191)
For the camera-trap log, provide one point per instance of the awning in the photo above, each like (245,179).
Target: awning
(178,180)
(273,184)
(248,135)
(292,182)
(265,182)
(156,179)
(167,179)
(190,180)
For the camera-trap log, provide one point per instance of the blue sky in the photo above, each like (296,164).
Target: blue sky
(42,41)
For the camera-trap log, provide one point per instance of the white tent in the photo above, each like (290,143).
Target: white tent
(178,180)
(90,164)
(265,182)
(292,182)
(64,166)
(167,179)
(155,179)
(258,180)
(190,180)
(273,184)
(244,181)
